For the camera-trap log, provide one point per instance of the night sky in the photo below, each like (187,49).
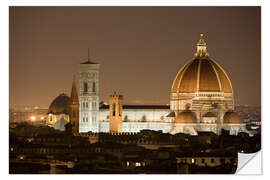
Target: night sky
(140,49)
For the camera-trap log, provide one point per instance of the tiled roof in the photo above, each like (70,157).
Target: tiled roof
(103,106)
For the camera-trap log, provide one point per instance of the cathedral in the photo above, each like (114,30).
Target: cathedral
(201,99)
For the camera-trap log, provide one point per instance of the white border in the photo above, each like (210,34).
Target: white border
(5,81)
(135,2)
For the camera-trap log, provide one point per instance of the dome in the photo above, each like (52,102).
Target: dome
(201,73)
(231,118)
(186,116)
(60,105)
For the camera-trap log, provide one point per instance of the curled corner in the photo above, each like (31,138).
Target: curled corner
(249,164)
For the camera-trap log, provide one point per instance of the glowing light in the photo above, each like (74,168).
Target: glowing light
(42,118)
(137,164)
(33,118)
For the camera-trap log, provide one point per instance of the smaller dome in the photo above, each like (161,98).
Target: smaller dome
(231,117)
(60,105)
(186,116)
(171,114)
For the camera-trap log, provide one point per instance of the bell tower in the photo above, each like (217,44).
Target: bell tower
(116,109)
(89,96)
(74,109)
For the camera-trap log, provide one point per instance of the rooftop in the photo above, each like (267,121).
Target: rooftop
(103,106)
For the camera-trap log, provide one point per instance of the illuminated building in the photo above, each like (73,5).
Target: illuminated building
(89,96)
(74,109)
(202,96)
(201,99)
(28,114)
(58,109)
(116,111)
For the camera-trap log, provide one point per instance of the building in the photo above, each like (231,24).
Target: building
(200,163)
(202,96)
(74,107)
(201,99)
(58,110)
(35,114)
(89,96)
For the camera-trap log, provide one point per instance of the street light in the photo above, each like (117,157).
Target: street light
(33,118)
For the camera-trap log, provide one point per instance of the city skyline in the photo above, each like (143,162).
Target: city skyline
(154,44)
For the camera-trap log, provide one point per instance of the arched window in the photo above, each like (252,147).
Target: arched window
(85,87)
(94,105)
(143,118)
(94,87)
(119,109)
(113,109)
(126,118)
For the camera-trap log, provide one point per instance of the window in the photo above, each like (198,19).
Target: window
(137,164)
(83,105)
(126,118)
(86,119)
(202,160)
(83,119)
(143,118)
(94,87)
(119,109)
(113,109)
(222,160)
(85,87)
(86,104)
(94,105)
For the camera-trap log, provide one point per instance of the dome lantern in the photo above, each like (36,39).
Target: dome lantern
(201,48)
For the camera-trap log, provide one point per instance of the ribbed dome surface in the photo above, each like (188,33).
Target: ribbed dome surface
(201,74)
(231,118)
(186,116)
(60,105)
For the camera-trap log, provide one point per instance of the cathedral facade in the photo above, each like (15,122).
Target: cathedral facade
(201,99)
